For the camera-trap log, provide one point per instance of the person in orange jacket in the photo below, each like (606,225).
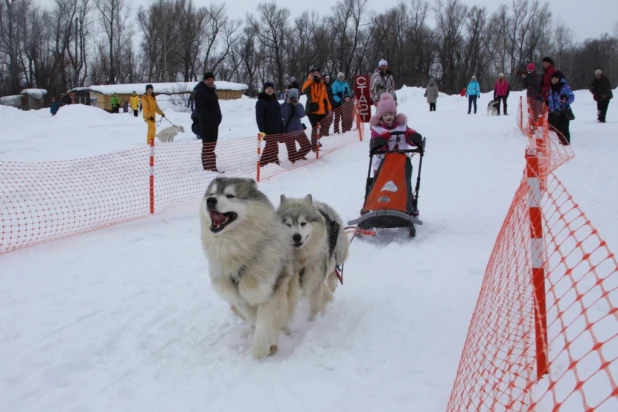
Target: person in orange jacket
(318,104)
(149,103)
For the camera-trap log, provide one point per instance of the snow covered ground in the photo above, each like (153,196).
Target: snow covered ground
(124,319)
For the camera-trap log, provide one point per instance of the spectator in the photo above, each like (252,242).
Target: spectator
(601,89)
(115,102)
(340,89)
(328,120)
(347,112)
(66,99)
(560,99)
(209,114)
(317,105)
(462,93)
(532,83)
(501,92)
(473,92)
(534,94)
(53,106)
(269,121)
(431,93)
(293,84)
(548,71)
(150,109)
(382,81)
(134,101)
(291,113)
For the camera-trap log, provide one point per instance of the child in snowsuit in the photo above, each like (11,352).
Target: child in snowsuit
(383,124)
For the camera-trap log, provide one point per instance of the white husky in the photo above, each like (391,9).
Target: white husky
(251,262)
(317,233)
(168,134)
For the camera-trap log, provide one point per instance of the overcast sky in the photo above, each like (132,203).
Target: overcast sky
(587,18)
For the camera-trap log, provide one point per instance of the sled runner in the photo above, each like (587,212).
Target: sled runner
(390,201)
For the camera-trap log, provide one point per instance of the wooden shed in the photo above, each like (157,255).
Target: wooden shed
(100,96)
(28,99)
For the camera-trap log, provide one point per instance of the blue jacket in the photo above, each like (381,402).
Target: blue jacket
(474,89)
(292,118)
(340,89)
(53,107)
(555,105)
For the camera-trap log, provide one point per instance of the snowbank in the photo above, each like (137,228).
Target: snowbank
(13,101)
(177,87)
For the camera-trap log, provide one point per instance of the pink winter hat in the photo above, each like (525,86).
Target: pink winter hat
(387,105)
(530,67)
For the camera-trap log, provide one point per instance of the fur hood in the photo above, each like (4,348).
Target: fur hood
(400,120)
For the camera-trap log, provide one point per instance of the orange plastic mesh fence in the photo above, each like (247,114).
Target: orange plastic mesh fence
(498,367)
(51,200)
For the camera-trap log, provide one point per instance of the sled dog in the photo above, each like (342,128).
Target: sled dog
(251,262)
(317,233)
(492,107)
(168,134)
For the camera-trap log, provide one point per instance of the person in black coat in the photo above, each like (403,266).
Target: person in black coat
(293,84)
(209,114)
(268,118)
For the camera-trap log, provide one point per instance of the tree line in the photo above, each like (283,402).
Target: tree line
(73,43)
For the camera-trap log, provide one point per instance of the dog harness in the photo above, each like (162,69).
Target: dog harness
(333,231)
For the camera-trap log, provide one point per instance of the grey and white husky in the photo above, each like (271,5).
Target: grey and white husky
(492,107)
(251,261)
(317,233)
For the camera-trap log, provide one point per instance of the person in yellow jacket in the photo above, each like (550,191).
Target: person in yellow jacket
(151,108)
(134,103)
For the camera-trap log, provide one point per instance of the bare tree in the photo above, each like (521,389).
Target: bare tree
(272,29)
(114,15)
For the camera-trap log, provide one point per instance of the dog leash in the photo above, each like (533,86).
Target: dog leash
(356,230)
(171,123)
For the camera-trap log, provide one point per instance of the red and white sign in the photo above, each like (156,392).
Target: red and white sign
(361,92)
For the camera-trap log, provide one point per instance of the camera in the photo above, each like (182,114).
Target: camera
(316,78)
(293,99)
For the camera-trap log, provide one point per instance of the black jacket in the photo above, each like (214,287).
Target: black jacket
(268,114)
(207,104)
(601,89)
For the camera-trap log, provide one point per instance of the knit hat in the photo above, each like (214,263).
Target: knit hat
(387,105)
(148,86)
(501,75)
(268,84)
(530,67)
(557,74)
(292,93)
(382,63)
(549,60)
(340,74)
(598,71)
(208,75)
(292,79)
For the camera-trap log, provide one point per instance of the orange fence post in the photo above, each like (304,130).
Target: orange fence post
(259,151)
(317,141)
(537,254)
(152,188)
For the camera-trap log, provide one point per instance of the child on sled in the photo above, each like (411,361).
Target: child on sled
(384,124)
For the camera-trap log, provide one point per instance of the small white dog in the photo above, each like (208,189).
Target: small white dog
(168,134)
